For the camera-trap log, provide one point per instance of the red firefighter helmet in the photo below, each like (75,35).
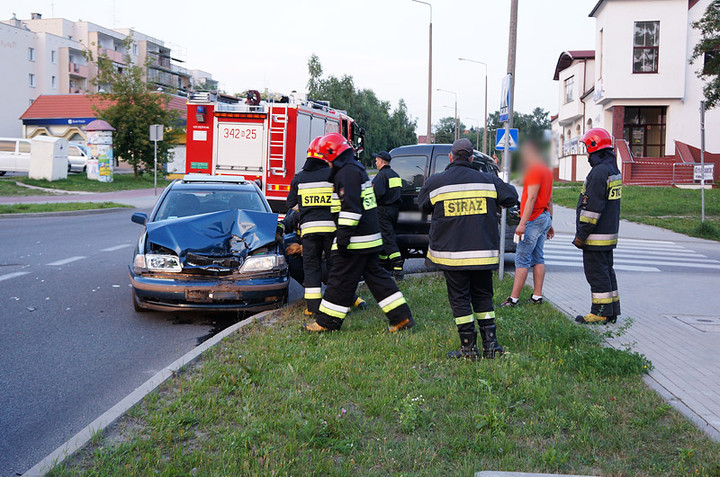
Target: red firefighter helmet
(597,139)
(313,150)
(332,145)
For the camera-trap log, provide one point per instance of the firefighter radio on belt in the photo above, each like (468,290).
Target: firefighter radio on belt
(264,141)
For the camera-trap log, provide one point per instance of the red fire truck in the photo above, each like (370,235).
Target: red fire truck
(264,141)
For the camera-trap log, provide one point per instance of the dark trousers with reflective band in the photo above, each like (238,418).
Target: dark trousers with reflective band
(346,271)
(600,274)
(387,219)
(471,297)
(314,245)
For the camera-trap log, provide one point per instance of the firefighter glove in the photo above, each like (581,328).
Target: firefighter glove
(578,243)
(343,239)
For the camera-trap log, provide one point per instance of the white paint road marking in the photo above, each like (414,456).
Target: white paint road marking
(8,276)
(116,247)
(627,268)
(650,256)
(65,261)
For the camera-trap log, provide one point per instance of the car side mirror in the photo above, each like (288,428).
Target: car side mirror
(139,218)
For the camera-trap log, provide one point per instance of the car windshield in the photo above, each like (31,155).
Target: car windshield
(182,203)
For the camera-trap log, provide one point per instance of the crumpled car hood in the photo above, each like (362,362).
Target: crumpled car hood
(229,233)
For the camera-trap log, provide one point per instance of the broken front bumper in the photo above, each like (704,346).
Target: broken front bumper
(209,293)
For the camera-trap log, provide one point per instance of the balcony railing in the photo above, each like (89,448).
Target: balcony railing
(116,56)
(77,69)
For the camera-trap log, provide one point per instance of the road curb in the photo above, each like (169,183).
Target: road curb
(64,212)
(109,417)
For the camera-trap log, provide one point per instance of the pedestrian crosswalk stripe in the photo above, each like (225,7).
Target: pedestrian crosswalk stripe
(627,268)
(633,255)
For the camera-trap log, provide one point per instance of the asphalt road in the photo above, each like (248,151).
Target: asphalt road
(71,345)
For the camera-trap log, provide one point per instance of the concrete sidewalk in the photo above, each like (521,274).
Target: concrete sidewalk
(668,284)
(140,198)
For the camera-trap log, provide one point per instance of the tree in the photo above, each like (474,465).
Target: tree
(708,49)
(385,128)
(445,131)
(530,126)
(130,107)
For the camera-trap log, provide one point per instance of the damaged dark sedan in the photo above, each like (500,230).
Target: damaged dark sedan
(210,243)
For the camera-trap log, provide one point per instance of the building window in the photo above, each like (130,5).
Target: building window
(646,43)
(31,80)
(31,54)
(644,130)
(711,60)
(53,56)
(31,102)
(569,89)
(601,44)
(53,82)
(589,124)
(134,49)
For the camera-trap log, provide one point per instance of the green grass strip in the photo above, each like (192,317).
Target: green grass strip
(270,400)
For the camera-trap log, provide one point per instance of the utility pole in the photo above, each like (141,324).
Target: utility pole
(428,140)
(702,160)
(507,157)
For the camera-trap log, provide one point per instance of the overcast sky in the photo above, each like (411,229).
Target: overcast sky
(251,44)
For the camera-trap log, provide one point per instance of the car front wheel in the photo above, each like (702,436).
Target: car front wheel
(2,173)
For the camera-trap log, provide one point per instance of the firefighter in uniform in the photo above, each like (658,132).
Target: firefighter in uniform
(387,186)
(311,193)
(356,246)
(464,244)
(597,225)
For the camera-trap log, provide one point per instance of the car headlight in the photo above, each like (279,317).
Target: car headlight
(162,263)
(263,263)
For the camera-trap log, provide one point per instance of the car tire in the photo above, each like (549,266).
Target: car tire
(136,304)
(2,173)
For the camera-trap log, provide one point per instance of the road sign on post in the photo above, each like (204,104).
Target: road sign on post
(156,134)
(505,99)
(511,140)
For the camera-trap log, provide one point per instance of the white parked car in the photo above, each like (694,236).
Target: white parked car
(15,156)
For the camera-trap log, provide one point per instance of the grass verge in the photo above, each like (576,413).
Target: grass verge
(667,207)
(9,188)
(275,401)
(56,207)
(80,182)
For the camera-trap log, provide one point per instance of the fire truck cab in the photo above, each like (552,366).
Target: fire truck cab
(265,141)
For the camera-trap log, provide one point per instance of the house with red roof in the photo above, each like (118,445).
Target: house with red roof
(66,115)
(640,83)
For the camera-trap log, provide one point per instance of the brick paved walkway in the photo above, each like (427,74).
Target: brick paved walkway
(669,286)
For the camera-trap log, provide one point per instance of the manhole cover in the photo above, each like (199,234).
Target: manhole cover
(704,323)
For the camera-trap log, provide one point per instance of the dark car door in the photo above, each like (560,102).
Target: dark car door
(412,169)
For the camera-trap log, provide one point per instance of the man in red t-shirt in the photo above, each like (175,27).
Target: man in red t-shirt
(535,224)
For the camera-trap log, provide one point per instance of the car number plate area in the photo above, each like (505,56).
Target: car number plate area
(211,296)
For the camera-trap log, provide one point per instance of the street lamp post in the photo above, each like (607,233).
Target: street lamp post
(429,105)
(457,133)
(477,131)
(485,150)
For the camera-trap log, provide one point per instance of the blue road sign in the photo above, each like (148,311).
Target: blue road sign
(505,99)
(500,140)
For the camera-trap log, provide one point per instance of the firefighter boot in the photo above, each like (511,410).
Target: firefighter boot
(468,346)
(491,347)
(405,324)
(315,328)
(360,304)
(593,319)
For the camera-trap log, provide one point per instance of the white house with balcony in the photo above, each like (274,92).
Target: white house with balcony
(639,84)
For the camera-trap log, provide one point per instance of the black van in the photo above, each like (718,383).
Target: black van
(414,164)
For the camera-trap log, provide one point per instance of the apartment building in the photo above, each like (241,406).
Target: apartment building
(638,83)
(49,56)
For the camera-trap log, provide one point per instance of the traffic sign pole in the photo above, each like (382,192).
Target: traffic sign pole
(702,161)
